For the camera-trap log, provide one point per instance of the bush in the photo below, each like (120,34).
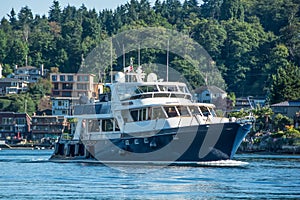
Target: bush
(4,104)
(281,121)
(292,133)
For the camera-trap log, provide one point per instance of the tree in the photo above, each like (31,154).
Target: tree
(211,35)
(286,84)
(280,121)
(211,9)
(55,12)
(276,14)
(3,45)
(22,103)
(232,9)
(291,38)
(41,87)
(243,51)
(7,70)
(12,18)
(18,53)
(263,118)
(25,16)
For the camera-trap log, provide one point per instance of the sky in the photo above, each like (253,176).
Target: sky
(41,7)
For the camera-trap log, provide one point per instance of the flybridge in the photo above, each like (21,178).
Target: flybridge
(152,90)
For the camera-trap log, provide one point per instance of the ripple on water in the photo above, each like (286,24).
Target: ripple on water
(28,175)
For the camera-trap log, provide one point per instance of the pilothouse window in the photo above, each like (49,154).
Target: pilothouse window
(157,113)
(195,110)
(205,111)
(171,111)
(183,111)
(107,125)
(140,115)
(93,125)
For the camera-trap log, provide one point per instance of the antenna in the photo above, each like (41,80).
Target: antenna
(111,75)
(139,55)
(168,61)
(124,57)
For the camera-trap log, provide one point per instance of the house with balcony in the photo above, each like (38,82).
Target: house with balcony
(68,88)
(14,127)
(72,85)
(12,86)
(47,126)
(61,106)
(29,73)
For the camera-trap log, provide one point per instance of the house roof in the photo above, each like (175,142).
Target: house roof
(8,80)
(27,67)
(212,89)
(287,104)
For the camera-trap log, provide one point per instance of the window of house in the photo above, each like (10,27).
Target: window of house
(56,86)
(66,94)
(54,78)
(20,120)
(81,86)
(7,120)
(62,77)
(67,86)
(70,78)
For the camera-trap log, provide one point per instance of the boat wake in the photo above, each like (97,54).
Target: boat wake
(224,163)
(220,163)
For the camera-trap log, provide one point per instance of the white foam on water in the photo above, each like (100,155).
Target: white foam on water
(223,163)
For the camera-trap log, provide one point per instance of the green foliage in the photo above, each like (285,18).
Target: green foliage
(286,84)
(21,103)
(6,70)
(280,122)
(231,96)
(254,43)
(4,104)
(42,87)
(211,35)
(263,118)
(239,114)
(17,53)
(292,133)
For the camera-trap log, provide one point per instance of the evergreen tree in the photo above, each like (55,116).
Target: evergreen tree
(17,54)
(284,81)
(13,18)
(25,16)
(232,9)
(3,46)
(55,12)
(211,9)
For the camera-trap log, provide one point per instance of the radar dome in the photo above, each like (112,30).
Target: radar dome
(151,77)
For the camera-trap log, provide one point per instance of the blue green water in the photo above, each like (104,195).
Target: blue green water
(27,174)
